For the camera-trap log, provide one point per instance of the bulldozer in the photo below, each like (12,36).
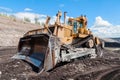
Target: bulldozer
(60,42)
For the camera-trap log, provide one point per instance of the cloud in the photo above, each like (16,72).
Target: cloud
(105,29)
(27,9)
(61,5)
(32,16)
(100,22)
(5,9)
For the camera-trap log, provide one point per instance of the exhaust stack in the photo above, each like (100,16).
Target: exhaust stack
(65,18)
(58,16)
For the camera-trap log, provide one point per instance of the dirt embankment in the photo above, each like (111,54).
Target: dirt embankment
(87,69)
(12,29)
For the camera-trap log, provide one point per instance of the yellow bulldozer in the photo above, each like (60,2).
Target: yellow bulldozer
(60,42)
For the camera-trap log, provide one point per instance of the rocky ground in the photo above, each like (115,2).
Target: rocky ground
(105,68)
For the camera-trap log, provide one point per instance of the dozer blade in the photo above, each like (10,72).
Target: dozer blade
(31,59)
(33,49)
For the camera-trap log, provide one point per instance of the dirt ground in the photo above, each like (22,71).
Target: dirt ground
(105,68)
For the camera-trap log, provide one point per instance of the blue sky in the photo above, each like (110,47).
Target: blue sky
(107,10)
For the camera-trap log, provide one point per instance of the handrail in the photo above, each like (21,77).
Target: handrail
(37,31)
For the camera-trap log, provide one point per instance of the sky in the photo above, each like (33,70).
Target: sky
(103,15)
